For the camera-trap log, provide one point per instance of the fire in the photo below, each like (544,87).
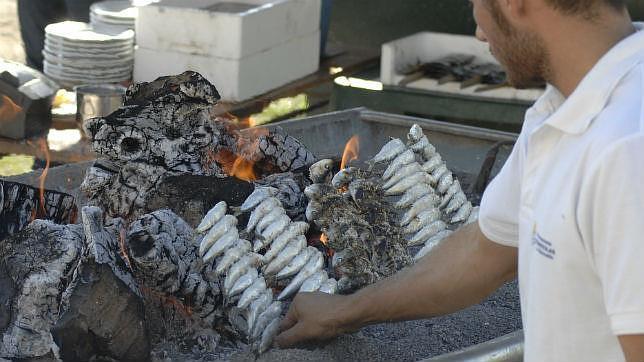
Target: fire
(44,149)
(324,239)
(235,165)
(8,109)
(122,249)
(351,151)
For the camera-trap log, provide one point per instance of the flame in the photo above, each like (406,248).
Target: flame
(8,109)
(351,151)
(235,165)
(44,149)
(324,239)
(122,249)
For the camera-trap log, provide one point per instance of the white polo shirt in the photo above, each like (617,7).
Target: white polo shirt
(571,198)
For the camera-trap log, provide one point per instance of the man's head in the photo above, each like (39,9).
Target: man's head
(507,26)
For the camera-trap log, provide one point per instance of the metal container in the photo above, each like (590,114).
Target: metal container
(97,100)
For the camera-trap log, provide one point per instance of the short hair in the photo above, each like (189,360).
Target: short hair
(583,6)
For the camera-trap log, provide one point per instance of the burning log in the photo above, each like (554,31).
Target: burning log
(166,129)
(20,204)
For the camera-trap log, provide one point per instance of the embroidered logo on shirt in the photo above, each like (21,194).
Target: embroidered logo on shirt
(543,246)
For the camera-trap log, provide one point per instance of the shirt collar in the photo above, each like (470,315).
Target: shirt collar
(575,114)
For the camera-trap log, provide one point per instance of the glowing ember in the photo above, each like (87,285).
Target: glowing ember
(8,109)
(123,250)
(351,151)
(324,239)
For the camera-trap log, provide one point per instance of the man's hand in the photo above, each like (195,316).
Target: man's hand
(313,316)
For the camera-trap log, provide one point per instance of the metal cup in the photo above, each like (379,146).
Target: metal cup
(97,101)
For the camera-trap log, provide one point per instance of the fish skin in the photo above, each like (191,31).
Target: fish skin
(217,231)
(432,164)
(271,313)
(260,194)
(243,282)
(455,203)
(402,172)
(431,244)
(444,183)
(268,335)
(420,145)
(232,255)
(451,191)
(421,220)
(262,209)
(426,202)
(429,151)
(407,183)
(312,210)
(251,293)
(269,218)
(313,282)
(474,215)
(294,229)
(240,268)
(212,217)
(319,171)
(415,134)
(343,177)
(297,263)
(291,250)
(274,230)
(414,193)
(257,307)
(389,151)
(315,191)
(314,264)
(427,232)
(330,286)
(462,214)
(438,173)
(404,158)
(220,246)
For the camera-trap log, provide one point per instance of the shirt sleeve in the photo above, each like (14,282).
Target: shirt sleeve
(499,213)
(611,210)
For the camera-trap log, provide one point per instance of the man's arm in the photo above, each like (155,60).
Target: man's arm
(633,347)
(461,271)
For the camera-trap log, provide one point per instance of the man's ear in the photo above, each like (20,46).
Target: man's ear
(514,8)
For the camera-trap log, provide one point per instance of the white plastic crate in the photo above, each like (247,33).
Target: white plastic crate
(425,47)
(226,29)
(236,79)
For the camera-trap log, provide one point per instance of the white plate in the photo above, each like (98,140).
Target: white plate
(115,9)
(84,62)
(76,32)
(55,45)
(88,54)
(95,72)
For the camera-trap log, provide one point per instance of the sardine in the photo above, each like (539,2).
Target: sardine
(408,182)
(268,335)
(313,265)
(225,224)
(415,134)
(274,230)
(403,172)
(343,177)
(431,244)
(313,210)
(260,194)
(404,158)
(262,209)
(427,232)
(474,215)
(421,220)
(294,229)
(251,293)
(291,250)
(240,268)
(414,193)
(212,217)
(463,213)
(316,191)
(313,283)
(297,263)
(269,218)
(428,152)
(330,286)
(444,183)
(271,313)
(222,244)
(420,145)
(425,203)
(243,282)
(319,171)
(438,173)
(433,163)
(232,255)
(455,203)
(389,151)
(257,307)
(451,191)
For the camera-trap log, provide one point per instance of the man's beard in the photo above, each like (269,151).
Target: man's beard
(523,55)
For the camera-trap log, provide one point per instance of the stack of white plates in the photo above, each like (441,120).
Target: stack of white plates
(79,53)
(113,13)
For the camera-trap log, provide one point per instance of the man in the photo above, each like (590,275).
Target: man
(567,210)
